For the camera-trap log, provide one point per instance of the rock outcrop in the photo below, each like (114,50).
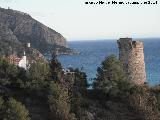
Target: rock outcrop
(8,41)
(22,28)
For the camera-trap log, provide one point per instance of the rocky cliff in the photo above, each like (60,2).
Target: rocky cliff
(19,27)
(8,41)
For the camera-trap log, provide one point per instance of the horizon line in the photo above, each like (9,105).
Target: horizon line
(112,38)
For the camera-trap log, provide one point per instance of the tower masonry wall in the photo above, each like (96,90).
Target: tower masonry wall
(132,57)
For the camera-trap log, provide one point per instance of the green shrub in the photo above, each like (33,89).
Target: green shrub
(14,110)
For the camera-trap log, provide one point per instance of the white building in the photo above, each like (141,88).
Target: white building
(29,45)
(23,62)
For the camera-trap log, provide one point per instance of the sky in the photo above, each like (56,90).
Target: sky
(76,20)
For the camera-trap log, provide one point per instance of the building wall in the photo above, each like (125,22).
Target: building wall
(132,56)
(23,62)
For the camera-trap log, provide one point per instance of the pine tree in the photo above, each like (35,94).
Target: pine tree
(56,69)
(110,74)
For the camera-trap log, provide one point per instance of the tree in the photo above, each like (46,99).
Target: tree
(8,72)
(14,110)
(80,82)
(110,74)
(56,69)
(78,93)
(1,102)
(1,108)
(58,100)
(38,75)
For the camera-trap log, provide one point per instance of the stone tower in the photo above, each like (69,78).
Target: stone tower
(132,57)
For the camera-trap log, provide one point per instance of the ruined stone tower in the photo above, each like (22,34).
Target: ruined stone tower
(132,57)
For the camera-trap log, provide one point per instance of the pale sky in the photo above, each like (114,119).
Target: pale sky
(77,21)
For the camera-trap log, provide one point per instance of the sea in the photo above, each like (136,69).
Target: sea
(93,52)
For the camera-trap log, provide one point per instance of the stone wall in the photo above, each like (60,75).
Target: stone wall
(132,57)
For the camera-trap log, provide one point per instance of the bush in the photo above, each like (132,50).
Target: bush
(13,110)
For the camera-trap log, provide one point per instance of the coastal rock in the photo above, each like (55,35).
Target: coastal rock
(25,29)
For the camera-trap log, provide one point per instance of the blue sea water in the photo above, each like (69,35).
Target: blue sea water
(92,53)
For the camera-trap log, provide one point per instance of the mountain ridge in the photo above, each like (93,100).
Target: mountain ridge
(22,28)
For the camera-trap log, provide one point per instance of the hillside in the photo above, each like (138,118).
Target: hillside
(19,28)
(47,92)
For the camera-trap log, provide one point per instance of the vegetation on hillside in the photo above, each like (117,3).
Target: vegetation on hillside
(13,110)
(46,92)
